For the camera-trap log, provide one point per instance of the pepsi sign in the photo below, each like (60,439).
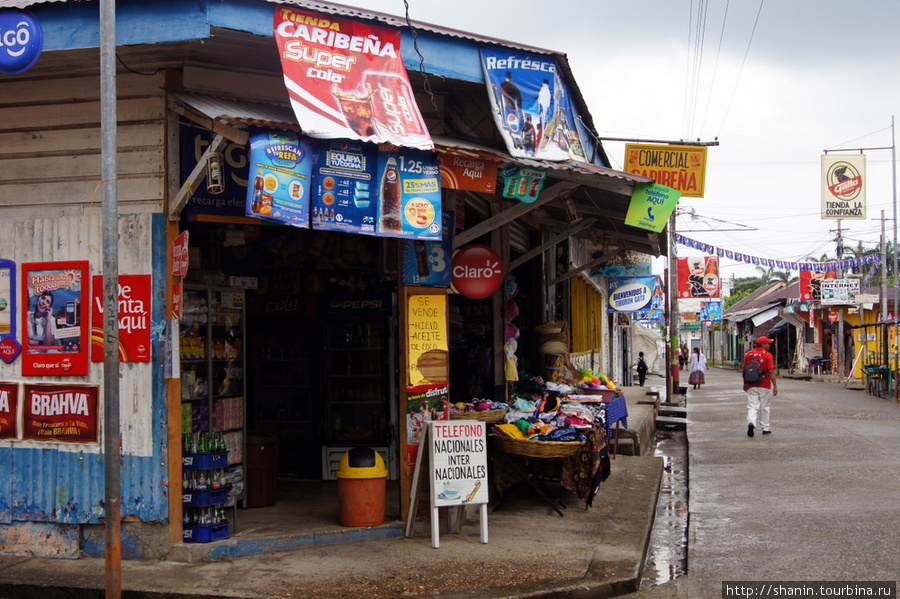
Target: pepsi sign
(21,41)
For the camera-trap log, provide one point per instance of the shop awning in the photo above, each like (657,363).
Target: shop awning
(765,316)
(579,200)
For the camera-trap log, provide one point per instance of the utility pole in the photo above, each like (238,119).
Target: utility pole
(839,345)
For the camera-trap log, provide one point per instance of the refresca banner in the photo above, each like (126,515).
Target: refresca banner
(531,105)
(630,294)
(699,277)
(651,206)
(280,169)
(346,79)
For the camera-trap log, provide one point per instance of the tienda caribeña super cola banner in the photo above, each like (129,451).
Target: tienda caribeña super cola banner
(347,79)
(699,277)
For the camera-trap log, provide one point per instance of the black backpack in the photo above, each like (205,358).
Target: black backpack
(754,372)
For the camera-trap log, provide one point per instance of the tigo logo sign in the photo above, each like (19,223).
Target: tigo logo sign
(21,41)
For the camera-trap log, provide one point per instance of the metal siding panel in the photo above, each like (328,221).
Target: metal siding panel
(64,483)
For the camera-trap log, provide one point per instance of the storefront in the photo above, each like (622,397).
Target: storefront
(259,333)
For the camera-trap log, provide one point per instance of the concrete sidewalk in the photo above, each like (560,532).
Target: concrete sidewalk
(532,552)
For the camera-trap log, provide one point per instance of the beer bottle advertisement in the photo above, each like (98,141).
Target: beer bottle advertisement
(409,194)
(281,165)
(345,186)
(427,263)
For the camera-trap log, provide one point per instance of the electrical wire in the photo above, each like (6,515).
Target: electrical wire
(743,62)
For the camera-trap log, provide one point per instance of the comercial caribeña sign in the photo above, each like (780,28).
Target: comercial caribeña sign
(21,41)
(682,168)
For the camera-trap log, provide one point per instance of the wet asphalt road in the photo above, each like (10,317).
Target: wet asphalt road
(815,500)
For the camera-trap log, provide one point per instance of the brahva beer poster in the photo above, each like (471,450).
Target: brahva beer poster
(66,413)
(699,277)
(56,326)
(346,79)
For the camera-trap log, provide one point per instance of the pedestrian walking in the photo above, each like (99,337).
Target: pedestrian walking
(683,355)
(760,385)
(697,368)
(641,367)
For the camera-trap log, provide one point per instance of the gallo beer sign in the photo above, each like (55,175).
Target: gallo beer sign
(477,271)
(843,186)
(682,168)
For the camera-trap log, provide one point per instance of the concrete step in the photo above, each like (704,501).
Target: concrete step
(672,410)
(671,421)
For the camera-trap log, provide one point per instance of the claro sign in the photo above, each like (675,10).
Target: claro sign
(477,271)
(21,41)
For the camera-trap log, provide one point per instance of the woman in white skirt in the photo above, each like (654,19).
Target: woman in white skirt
(697,366)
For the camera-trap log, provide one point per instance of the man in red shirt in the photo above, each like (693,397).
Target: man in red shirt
(759,397)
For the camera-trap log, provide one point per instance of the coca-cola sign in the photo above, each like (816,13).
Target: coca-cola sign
(477,271)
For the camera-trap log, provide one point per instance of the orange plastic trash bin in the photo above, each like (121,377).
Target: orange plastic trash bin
(362,478)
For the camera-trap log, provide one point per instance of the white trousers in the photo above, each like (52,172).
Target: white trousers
(759,404)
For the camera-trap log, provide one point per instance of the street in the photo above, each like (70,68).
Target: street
(815,500)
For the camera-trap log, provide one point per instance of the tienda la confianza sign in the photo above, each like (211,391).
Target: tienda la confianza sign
(682,168)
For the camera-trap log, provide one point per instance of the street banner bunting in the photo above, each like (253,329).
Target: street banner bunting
(871,259)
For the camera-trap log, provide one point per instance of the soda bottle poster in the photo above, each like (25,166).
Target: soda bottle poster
(811,283)
(531,105)
(56,326)
(9,343)
(134,318)
(9,410)
(280,172)
(427,263)
(61,412)
(409,194)
(711,311)
(347,79)
(345,186)
(699,277)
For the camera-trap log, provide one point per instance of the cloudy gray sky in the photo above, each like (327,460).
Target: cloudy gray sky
(777,82)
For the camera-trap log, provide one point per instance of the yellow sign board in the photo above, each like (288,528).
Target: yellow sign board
(427,338)
(680,167)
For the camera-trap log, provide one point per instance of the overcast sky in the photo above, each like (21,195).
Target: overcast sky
(777,82)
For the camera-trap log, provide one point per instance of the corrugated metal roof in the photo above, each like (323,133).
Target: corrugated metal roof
(26,3)
(233,112)
(400,22)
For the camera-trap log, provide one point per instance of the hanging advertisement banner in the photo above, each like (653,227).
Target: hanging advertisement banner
(626,264)
(711,312)
(346,79)
(630,294)
(465,172)
(427,263)
(53,294)
(61,413)
(651,206)
(9,343)
(531,105)
(409,194)
(683,168)
(227,204)
(345,192)
(699,277)
(9,410)
(135,295)
(840,292)
(843,186)
(424,404)
(522,183)
(281,166)
(811,283)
